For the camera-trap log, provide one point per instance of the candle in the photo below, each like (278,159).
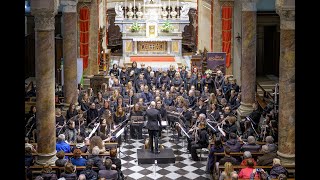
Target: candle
(125,9)
(169,8)
(134,8)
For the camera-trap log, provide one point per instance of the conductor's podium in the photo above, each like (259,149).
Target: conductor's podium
(166,156)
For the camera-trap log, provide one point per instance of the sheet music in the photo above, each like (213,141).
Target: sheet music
(184,131)
(164,123)
(94,130)
(222,132)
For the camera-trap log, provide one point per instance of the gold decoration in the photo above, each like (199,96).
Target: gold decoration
(175,46)
(128,46)
(152,46)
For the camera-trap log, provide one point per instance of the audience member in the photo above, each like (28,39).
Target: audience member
(77,159)
(61,161)
(233,143)
(251,145)
(89,172)
(267,158)
(62,145)
(227,172)
(246,172)
(227,157)
(277,169)
(96,159)
(108,173)
(247,155)
(69,172)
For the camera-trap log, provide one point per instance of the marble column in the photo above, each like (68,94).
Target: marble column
(93,39)
(286,139)
(70,50)
(248,61)
(45,78)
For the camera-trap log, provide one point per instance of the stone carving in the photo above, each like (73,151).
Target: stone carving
(69,5)
(164,12)
(184,10)
(44,19)
(130,13)
(118,9)
(173,12)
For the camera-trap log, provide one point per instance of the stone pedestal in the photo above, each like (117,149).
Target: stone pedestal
(248,62)
(70,50)
(286,139)
(45,78)
(93,40)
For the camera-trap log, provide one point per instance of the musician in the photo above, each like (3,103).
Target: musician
(99,101)
(118,103)
(137,111)
(31,113)
(201,140)
(116,162)
(248,131)
(255,115)
(171,71)
(208,82)
(165,80)
(218,79)
(60,121)
(192,130)
(163,113)
(237,102)
(179,102)
(233,143)
(152,80)
(198,82)
(201,108)
(186,116)
(114,70)
(183,72)
(90,94)
(124,76)
(153,126)
(81,123)
(233,85)
(223,105)
(225,86)
(146,95)
(188,81)
(80,145)
(205,93)
(71,111)
(71,132)
(231,126)
(219,94)
(183,93)
(167,100)
(115,95)
(177,81)
(30,90)
(119,117)
(192,100)
(92,114)
(84,102)
(232,98)
(140,81)
(213,114)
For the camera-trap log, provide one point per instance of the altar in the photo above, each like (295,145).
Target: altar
(152,29)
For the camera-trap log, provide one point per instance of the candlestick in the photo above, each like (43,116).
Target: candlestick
(134,8)
(169,8)
(177,8)
(125,9)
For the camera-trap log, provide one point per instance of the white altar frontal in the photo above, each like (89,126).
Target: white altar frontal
(142,27)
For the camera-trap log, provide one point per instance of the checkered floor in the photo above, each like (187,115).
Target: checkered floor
(184,167)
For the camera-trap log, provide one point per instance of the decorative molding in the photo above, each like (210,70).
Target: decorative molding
(44,19)
(287,17)
(69,5)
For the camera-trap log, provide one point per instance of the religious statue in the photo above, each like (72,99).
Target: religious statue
(130,13)
(184,10)
(173,13)
(164,12)
(139,13)
(119,10)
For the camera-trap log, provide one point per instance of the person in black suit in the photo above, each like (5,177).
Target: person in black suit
(153,125)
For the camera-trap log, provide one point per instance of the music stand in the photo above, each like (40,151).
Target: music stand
(185,133)
(136,119)
(117,135)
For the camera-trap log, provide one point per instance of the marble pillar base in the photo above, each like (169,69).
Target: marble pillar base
(43,159)
(286,159)
(244,110)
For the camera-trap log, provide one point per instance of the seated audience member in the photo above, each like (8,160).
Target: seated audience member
(267,158)
(233,143)
(247,155)
(116,162)
(246,172)
(69,172)
(82,177)
(80,145)
(216,148)
(108,173)
(251,145)
(97,141)
(282,177)
(47,173)
(89,172)
(77,159)
(62,145)
(96,159)
(227,172)
(227,157)
(277,169)
(27,144)
(271,145)
(28,161)
(61,161)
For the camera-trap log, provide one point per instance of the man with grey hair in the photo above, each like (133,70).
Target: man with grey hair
(62,145)
(267,158)
(82,177)
(153,125)
(246,156)
(96,159)
(251,145)
(271,145)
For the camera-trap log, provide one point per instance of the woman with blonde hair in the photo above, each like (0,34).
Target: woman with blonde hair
(96,141)
(228,171)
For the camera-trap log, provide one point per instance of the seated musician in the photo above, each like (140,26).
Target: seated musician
(114,70)
(179,102)
(201,107)
(171,71)
(60,121)
(165,80)
(119,103)
(117,85)
(81,123)
(213,113)
(232,99)
(119,117)
(219,94)
(146,95)
(71,132)
(186,117)
(84,102)
(198,82)
(167,100)
(92,115)
(183,72)
(115,95)
(140,81)
(177,81)
(152,80)
(188,81)
(99,101)
(127,89)
(201,140)
(230,126)
(237,102)
(205,92)
(137,111)
(124,76)
(71,111)
(183,93)
(192,99)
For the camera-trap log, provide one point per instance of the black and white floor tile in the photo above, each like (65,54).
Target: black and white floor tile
(183,168)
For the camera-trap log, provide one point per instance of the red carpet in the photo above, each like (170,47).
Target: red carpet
(152,59)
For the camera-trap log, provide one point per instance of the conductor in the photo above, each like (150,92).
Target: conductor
(153,126)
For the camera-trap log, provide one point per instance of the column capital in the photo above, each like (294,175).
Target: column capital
(249,5)
(69,5)
(287,17)
(44,19)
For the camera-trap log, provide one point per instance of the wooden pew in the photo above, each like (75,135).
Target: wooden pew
(107,153)
(36,170)
(290,168)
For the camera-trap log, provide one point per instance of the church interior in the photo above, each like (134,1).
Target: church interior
(159,89)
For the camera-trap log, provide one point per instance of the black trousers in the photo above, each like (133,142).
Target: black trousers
(194,148)
(153,135)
